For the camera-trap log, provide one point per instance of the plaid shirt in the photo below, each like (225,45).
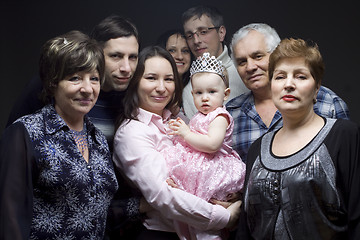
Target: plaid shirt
(248,126)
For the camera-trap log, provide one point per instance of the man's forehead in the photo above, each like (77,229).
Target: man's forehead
(123,43)
(196,22)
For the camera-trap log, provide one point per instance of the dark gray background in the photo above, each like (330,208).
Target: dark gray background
(26,25)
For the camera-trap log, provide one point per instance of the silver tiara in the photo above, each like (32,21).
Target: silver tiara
(205,63)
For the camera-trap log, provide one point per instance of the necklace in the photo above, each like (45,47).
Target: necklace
(80,138)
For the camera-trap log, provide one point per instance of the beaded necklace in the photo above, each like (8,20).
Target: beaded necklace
(80,138)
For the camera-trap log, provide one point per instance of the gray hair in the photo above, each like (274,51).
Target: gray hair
(271,36)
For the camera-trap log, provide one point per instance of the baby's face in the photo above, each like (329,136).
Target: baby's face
(209,91)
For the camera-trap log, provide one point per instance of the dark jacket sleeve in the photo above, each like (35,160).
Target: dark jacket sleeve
(16,183)
(343,143)
(28,101)
(243,232)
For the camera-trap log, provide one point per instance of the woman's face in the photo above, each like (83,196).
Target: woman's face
(293,87)
(157,86)
(178,48)
(76,95)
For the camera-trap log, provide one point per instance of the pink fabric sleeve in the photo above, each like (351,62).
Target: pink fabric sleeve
(136,153)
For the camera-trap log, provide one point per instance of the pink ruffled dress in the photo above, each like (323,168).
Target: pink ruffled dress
(202,174)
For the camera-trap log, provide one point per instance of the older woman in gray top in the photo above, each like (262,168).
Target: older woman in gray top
(303,179)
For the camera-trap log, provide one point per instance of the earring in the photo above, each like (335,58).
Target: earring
(314,100)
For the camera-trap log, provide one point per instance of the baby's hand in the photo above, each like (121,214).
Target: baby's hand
(171,126)
(171,183)
(171,122)
(179,127)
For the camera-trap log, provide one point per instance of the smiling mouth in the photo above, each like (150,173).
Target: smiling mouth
(254,77)
(122,79)
(159,98)
(201,50)
(84,101)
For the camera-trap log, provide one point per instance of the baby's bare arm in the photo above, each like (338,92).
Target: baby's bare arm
(210,142)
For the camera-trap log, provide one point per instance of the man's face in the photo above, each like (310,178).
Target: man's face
(252,60)
(202,38)
(121,58)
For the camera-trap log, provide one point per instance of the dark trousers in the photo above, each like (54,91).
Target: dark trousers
(146,234)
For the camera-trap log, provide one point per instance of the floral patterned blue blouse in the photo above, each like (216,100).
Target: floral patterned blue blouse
(47,189)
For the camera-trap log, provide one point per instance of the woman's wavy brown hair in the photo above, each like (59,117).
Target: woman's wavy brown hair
(67,54)
(131,99)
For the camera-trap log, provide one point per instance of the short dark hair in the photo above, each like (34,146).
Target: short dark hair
(162,41)
(164,37)
(114,27)
(67,54)
(213,13)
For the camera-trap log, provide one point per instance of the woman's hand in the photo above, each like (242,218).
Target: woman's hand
(234,209)
(232,204)
(230,198)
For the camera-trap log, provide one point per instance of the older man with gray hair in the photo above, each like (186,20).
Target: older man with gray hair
(254,112)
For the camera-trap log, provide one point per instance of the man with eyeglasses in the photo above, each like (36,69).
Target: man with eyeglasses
(205,32)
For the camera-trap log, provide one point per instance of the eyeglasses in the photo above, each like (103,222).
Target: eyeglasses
(201,32)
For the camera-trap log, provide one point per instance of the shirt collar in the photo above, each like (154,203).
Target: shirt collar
(244,101)
(160,122)
(52,120)
(225,58)
(54,123)
(146,116)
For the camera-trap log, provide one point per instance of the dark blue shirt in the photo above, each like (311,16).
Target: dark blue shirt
(105,112)
(47,188)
